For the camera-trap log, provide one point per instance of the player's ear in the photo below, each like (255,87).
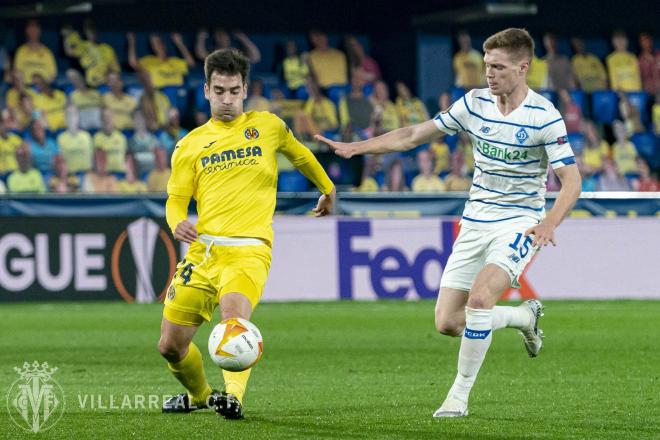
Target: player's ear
(207,90)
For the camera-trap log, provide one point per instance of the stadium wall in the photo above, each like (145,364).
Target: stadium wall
(132,258)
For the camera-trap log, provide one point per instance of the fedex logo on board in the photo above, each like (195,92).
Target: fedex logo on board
(392,271)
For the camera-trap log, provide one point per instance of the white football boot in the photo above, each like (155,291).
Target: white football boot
(533,335)
(452,407)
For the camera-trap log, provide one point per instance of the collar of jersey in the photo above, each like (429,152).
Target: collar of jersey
(219,123)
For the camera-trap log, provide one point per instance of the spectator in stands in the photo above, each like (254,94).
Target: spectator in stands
(395,180)
(589,177)
(142,145)
(21,117)
(571,112)
(131,184)
(368,182)
(153,104)
(622,65)
(426,180)
(588,69)
(646,181)
(87,101)
(25,179)
(468,64)
(97,59)
(75,145)
(385,116)
(319,114)
(165,71)
(122,105)
(552,182)
(3,188)
(51,102)
(13,96)
(467,154)
(560,72)
(537,77)
(656,114)
(457,180)
(9,143)
(441,155)
(355,111)
(172,133)
(99,180)
(43,147)
(611,179)
(630,115)
(33,57)
(113,143)
(444,101)
(359,62)
(623,151)
(328,65)
(63,181)
(596,150)
(256,99)
(158,177)
(649,64)
(295,68)
(411,109)
(222,40)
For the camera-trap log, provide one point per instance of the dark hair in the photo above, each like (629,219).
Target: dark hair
(226,61)
(513,40)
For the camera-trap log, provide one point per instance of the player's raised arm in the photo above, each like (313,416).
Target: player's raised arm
(401,139)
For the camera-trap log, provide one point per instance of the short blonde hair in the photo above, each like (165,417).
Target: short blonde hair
(516,41)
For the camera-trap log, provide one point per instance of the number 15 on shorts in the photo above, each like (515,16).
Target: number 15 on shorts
(523,249)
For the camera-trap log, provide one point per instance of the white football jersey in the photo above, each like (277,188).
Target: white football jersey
(511,154)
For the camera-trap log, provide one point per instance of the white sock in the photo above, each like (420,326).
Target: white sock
(511,317)
(474,345)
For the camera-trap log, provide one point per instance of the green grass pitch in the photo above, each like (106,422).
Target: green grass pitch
(350,370)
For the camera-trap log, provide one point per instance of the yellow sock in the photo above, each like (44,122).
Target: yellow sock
(190,372)
(236,382)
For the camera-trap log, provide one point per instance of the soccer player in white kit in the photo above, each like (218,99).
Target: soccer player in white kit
(515,134)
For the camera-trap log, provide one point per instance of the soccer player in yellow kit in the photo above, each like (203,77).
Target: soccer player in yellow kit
(229,166)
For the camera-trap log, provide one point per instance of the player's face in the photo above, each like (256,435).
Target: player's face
(226,94)
(504,73)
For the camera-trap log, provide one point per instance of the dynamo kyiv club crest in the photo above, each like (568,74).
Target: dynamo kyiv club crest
(521,136)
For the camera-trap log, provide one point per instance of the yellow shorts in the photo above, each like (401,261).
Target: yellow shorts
(201,280)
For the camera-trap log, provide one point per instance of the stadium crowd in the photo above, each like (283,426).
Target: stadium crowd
(85,130)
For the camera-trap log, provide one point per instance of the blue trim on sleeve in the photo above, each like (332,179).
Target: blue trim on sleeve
(485,99)
(532,176)
(535,193)
(534,107)
(566,160)
(541,127)
(504,161)
(456,120)
(491,221)
(439,117)
(508,205)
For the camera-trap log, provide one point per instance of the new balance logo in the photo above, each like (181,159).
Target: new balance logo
(484,129)
(476,334)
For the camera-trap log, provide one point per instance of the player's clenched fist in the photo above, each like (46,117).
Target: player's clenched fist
(185,231)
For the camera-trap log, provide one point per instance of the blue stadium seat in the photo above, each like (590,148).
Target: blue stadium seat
(335,93)
(647,147)
(302,93)
(639,101)
(291,181)
(604,106)
(379,177)
(451,142)
(576,141)
(579,99)
(456,94)
(178,97)
(368,89)
(550,95)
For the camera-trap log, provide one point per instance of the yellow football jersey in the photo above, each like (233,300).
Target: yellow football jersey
(230,168)
(623,69)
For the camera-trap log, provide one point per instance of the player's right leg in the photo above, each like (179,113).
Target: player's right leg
(450,311)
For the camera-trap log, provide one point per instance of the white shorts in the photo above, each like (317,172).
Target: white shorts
(503,244)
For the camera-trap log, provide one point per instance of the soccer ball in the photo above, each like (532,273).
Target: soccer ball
(235,344)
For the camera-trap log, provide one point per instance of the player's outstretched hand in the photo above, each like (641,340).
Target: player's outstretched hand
(325,205)
(341,149)
(186,232)
(544,234)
